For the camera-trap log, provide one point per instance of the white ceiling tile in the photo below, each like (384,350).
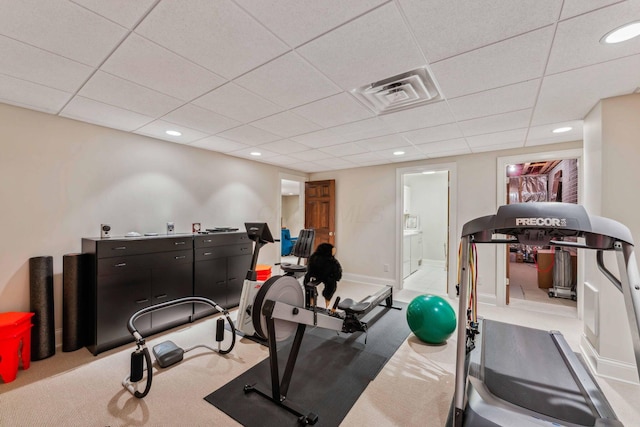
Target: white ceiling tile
(433,134)
(215,143)
(317,139)
(577,40)
(497,147)
(147,64)
(42,67)
(299,21)
(452,145)
(419,117)
(537,134)
(125,12)
(248,135)
(364,158)
(383,143)
(498,138)
(215,34)
(311,155)
(416,155)
(122,93)
(91,111)
(31,95)
(370,48)
(335,163)
(286,124)
(496,123)
(495,101)
(250,153)
(284,146)
(363,129)
(282,160)
(459,152)
(347,149)
(158,128)
(233,101)
(334,110)
(511,61)
(60,27)
(448,28)
(201,119)
(572,8)
(408,151)
(564,97)
(308,167)
(288,81)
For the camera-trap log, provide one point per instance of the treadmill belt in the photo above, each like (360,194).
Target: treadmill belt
(523,366)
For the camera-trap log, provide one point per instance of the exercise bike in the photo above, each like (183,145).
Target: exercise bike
(167,353)
(282,307)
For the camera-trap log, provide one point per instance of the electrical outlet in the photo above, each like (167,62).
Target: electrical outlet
(386,267)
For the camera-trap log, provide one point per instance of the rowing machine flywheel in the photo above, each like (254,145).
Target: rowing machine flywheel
(284,289)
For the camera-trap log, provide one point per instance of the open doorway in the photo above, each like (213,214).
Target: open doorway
(291,215)
(543,274)
(425,229)
(555,189)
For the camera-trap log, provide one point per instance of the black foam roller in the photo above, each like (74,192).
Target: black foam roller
(43,341)
(74,275)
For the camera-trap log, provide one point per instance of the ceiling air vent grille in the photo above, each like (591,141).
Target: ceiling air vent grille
(403,91)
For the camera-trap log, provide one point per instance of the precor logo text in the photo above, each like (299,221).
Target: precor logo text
(542,222)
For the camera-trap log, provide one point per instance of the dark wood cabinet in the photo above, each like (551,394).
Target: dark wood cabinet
(128,274)
(220,264)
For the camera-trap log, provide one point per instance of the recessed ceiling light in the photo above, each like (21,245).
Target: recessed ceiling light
(512,168)
(256,153)
(173,133)
(562,129)
(621,34)
(398,153)
(428,172)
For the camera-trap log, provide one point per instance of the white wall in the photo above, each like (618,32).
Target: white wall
(611,160)
(60,179)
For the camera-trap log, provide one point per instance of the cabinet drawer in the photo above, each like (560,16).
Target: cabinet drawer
(116,265)
(208,240)
(123,247)
(202,254)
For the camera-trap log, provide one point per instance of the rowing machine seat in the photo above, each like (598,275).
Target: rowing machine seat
(352,307)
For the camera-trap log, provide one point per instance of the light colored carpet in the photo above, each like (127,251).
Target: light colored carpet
(414,388)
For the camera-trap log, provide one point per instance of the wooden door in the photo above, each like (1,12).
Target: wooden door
(319,212)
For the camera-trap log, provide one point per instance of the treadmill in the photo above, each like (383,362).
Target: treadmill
(508,375)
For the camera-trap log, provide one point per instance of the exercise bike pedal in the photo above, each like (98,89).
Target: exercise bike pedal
(167,353)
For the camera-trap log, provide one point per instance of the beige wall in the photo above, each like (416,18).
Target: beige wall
(366,213)
(60,179)
(612,151)
(292,217)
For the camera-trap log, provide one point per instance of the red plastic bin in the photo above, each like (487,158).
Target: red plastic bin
(263,272)
(15,343)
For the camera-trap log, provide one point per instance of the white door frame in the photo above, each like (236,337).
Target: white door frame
(452,255)
(501,192)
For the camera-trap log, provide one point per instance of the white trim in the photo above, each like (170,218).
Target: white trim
(608,368)
(501,193)
(452,259)
(369,280)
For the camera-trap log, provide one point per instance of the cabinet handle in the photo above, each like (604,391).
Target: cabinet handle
(243,249)
(232,278)
(207,253)
(161,296)
(142,301)
(178,243)
(119,248)
(122,264)
(180,257)
(220,283)
(208,241)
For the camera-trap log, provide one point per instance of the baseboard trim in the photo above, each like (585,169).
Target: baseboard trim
(369,280)
(608,368)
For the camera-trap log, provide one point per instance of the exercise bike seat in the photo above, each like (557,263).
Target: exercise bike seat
(350,306)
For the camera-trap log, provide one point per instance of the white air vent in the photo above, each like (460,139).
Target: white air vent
(403,91)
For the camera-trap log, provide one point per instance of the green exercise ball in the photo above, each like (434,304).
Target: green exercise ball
(431,318)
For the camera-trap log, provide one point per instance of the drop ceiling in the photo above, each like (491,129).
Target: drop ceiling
(276,77)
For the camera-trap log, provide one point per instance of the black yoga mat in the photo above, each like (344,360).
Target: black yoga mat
(43,342)
(331,372)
